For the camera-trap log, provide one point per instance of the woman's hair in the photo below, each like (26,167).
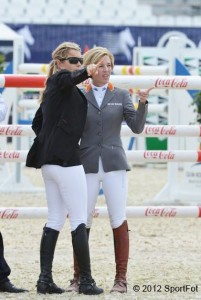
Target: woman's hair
(59,53)
(94,55)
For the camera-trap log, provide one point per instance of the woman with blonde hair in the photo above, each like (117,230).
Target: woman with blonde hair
(58,125)
(103,156)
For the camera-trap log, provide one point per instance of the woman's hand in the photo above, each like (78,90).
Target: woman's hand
(143,95)
(93,68)
(86,82)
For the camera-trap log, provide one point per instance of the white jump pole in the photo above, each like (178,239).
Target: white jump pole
(14,213)
(28,103)
(149,131)
(153,108)
(132,155)
(33,68)
(140,70)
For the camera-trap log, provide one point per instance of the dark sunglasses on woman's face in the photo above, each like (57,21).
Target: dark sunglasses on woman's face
(73,60)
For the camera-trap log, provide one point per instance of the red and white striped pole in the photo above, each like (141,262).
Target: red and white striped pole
(127,82)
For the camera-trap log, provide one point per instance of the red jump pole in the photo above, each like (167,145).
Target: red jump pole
(25,81)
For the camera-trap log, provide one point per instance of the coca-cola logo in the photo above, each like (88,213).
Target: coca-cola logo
(161,212)
(9,155)
(173,83)
(9,213)
(10,131)
(159,155)
(160,130)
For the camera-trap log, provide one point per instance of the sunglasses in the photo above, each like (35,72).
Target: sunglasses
(73,60)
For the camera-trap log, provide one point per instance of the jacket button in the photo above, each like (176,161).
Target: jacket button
(99,145)
(99,133)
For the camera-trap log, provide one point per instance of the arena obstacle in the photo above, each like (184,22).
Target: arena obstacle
(186,189)
(132,156)
(34,68)
(126,82)
(149,131)
(140,70)
(153,108)
(14,213)
(159,82)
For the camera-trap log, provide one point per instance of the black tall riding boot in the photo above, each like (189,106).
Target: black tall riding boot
(74,287)
(87,285)
(45,282)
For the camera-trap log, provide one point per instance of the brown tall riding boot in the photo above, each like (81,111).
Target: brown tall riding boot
(74,283)
(121,249)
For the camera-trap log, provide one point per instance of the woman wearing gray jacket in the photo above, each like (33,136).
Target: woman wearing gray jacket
(103,156)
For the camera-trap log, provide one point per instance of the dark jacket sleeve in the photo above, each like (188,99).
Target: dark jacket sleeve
(66,79)
(37,121)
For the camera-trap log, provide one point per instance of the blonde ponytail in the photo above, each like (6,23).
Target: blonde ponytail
(59,53)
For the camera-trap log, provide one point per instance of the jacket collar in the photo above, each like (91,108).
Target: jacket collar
(108,95)
(89,87)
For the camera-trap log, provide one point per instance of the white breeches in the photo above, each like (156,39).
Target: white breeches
(115,188)
(66,193)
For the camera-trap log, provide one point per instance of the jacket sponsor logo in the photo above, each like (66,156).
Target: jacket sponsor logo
(115,104)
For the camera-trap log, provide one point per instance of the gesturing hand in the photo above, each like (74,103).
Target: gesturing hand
(93,68)
(143,95)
